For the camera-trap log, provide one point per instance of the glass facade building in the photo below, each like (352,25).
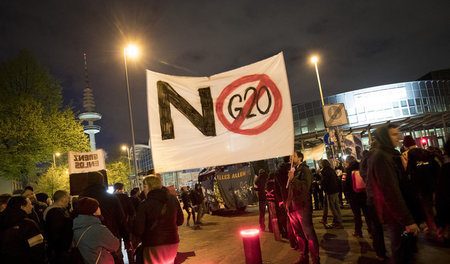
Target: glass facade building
(143,158)
(377,104)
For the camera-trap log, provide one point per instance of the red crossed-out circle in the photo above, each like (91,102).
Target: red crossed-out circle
(235,126)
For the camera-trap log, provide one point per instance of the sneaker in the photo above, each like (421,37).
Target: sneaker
(187,224)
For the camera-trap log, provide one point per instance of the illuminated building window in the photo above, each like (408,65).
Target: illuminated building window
(419,109)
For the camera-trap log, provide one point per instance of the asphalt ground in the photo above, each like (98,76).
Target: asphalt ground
(219,241)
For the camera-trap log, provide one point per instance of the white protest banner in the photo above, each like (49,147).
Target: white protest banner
(81,162)
(237,116)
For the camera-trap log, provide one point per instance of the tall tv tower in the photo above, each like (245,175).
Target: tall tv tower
(89,114)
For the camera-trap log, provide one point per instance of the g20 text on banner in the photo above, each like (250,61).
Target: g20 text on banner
(237,116)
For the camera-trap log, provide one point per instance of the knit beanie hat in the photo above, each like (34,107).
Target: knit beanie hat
(408,141)
(87,206)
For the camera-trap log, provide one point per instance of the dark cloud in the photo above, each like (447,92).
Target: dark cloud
(361,44)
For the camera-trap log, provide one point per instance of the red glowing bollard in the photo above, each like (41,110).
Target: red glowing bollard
(252,248)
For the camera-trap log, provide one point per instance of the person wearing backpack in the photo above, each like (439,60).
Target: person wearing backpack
(157,222)
(356,195)
(93,240)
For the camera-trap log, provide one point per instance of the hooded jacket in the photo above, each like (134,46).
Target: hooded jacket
(329,180)
(156,225)
(299,189)
(97,242)
(21,239)
(385,171)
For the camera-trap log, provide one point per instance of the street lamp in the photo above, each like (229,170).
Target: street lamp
(57,154)
(127,149)
(314,60)
(130,51)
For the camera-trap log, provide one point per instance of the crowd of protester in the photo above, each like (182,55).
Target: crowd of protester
(91,227)
(401,192)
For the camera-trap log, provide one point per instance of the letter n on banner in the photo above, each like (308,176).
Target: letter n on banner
(167,95)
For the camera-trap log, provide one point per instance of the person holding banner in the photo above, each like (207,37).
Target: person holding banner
(299,206)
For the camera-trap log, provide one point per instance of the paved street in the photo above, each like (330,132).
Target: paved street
(219,242)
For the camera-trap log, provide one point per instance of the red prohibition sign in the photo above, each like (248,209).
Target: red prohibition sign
(235,126)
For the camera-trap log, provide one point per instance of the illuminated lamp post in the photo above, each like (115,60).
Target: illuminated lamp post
(252,248)
(130,51)
(127,149)
(315,59)
(57,154)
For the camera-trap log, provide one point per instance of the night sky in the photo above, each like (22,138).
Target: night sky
(360,44)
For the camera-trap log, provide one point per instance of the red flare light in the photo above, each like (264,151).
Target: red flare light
(249,232)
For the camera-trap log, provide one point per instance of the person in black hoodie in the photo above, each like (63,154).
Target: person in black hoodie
(58,228)
(384,174)
(357,200)
(21,239)
(112,213)
(331,188)
(157,222)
